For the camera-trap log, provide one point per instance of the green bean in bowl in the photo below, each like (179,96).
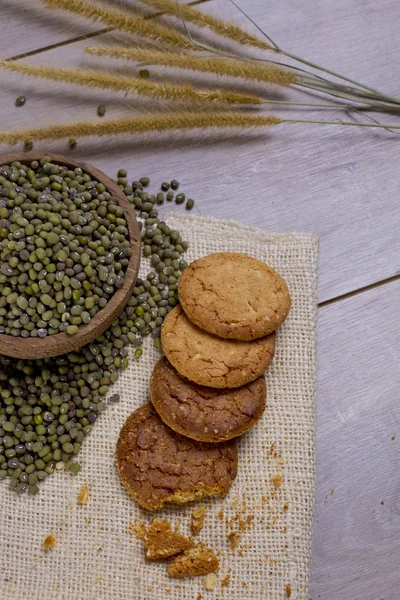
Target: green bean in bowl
(64,248)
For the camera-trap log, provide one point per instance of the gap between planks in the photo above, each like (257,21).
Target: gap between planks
(87,36)
(361,290)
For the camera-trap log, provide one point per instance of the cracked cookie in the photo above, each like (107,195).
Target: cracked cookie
(203,413)
(234,296)
(158,465)
(210,360)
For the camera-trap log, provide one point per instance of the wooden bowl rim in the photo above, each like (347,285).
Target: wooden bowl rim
(62,343)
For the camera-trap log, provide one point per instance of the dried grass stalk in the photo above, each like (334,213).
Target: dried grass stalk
(218,26)
(249,70)
(147,124)
(122,21)
(129,85)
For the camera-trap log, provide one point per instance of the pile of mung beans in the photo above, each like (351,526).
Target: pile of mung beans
(64,248)
(48,406)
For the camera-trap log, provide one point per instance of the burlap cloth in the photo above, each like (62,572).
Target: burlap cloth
(268,512)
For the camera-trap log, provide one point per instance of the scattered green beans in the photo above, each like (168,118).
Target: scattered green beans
(20,101)
(174,184)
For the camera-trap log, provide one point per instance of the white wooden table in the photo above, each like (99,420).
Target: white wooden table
(342,184)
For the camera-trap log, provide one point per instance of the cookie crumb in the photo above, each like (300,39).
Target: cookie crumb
(198,516)
(382,502)
(277,480)
(199,511)
(83,495)
(221,514)
(138,529)
(234,539)
(226,580)
(393,437)
(162,542)
(285,507)
(49,541)
(288,591)
(211,581)
(198,560)
(273,452)
(244,584)
(332,492)
(199,597)
(246,522)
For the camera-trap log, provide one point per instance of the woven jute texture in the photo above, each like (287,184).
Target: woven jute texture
(267,514)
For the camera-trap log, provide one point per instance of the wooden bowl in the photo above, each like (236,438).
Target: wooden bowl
(62,343)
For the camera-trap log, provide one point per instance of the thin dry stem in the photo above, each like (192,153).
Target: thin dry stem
(218,26)
(219,66)
(387,126)
(122,22)
(138,125)
(129,85)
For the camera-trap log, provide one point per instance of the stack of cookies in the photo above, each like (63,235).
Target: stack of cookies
(210,387)
(222,336)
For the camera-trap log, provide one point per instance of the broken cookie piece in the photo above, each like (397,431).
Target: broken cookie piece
(198,560)
(162,542)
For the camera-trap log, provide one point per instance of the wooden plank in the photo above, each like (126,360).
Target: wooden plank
(339,183)
(30,26)
(357,38)
(355,541)
(26,26)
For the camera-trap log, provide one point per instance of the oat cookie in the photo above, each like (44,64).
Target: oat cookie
(234,296)
(203,413)
(158,465)
(210,360)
